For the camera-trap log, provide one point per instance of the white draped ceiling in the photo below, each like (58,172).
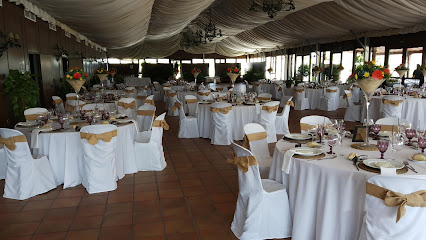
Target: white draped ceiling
(155,28)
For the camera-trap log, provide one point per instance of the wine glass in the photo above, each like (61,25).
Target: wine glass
(422,143)
(410,133)
(320,133)
(397,143)
(331,140)
(61,121)
(312,131)
(382,145)
(375,128)
(89,119)
(82,113)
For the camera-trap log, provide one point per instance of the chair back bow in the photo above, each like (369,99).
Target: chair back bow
(270,109)
(176,106)
(161,123)
(224,110)
(141,97)
(390,102)
(150,101)
(10,142)
(347,95)
(289,103)
(94,138)
(191,100)
(253,137)
(171,94)
(243,163)
(299,90)
(129,90)
(396,199)
(146,113)
(71,98)
(331,90)
(57,101)
(306,126)
(127,105)
(203,94)
(31,117)
(71,108)
(264,98)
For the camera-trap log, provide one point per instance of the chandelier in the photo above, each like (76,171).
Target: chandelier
(272,8)
(210,31)
(191,40)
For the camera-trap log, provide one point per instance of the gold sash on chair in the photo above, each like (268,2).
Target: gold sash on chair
(394,103)
(224,110)
(389,128)
(146,113)
(243,163)
(72,98)
(31,117)
(127,105)
(161,123)
(290,103)
(191,100)
(141,97)
(71,108)
(10,142)
(253,137)
(129,91)
(347,95)
(171,94)
(203,94)
(57,101)
(331,90)
(264,99)
(150,101)
(306,126)
(94,138)
(396,199)
(270,109)
(176,106)
(219,89)
(299,90)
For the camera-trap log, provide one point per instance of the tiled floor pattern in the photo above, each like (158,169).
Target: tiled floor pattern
(193,198)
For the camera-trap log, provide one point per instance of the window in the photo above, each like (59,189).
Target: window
(163,60)
(151,60)
(197,60)
(186,61)
(414,56)
(347,65)
(212,71)
(395,59)
(113,61)
(231,60)
(126,61)
(306,68)
(379,55)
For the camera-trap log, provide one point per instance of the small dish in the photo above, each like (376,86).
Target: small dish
(373,163)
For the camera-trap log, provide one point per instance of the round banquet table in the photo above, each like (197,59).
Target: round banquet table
(181,97)
(241,115)
(65,153)
(327,196)
(314,97)
(134,81)
(413,110)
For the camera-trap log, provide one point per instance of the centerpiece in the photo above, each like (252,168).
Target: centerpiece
(175,72)
(336,72)
(102,74)
(76,77)
(112,71)
(316,70)
(401,70)
(369,77)
(195,71)
(233,73)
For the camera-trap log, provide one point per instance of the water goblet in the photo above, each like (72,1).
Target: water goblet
(331,140)
(422,143)
(320,133)
(82,113)
(382,145)
(61,121)
(89,119)
(375,128)
(106,115)
(313,131)
(410,133)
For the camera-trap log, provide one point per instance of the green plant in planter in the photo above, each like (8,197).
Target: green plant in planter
(22,91)
(64,88)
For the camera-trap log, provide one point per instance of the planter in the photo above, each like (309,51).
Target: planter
(76,84)
(401,72)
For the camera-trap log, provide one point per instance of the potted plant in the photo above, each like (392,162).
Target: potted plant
(22,91)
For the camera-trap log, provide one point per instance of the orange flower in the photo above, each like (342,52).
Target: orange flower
(386,71)
(377,74)
(76,75)
(85,74)
(229,69)
(236,70)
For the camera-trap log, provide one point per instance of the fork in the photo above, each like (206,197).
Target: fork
(409,166)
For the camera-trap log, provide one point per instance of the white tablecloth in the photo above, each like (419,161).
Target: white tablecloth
(314,96)
(342,89)
(242,114)
(327,196)
(413,110)
(134,81)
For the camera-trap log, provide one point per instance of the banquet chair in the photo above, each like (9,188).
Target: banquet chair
(267,119)
(192,104)
(356,93)
(330,100)
(31,114)
(165,94)
(204,95)
(255,140)
(382,219)
(264,97)
(130,92)
(174,104)
(150,100)
(94,90)
(398,86)
(300,101)
(188,126)
(149,150)
(389,125)
(71,96)
(353,111)
(308,121)
(59,104)
(93,106)
(74,105)
(3,163)
(258,88)
(221,127)
(391,106)
(263,210)
(127,106)
(281,120)
(278,90)
(239,89)
(148,90)
(25,176)
(156,91)
(99,143)
(145,116)
(140,98)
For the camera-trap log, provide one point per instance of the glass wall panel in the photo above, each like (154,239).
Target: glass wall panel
(306,68)
(347,65)
(197,60)
(299,67)
(395,59)
(379,55)
(414,56)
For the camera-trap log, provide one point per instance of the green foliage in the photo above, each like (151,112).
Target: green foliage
(64,88)
(118,79)
(157,72)
(305,70)
(22,91)
(93,80)
(252,75)
(188,76)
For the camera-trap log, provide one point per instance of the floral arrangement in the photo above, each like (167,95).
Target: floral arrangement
(195,70)
(233,70)
(176,70)
(76,74)
(371,70)
(317,69)
(112,70)
(339,68)
(351,78)
(401,67)
(101,70)
(270,70)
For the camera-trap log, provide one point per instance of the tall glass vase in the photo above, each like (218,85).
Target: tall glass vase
(195,76)
(233,77)
(76,85)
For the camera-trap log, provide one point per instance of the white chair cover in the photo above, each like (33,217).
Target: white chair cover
(166,90)
(3,164)
(204,97)
(239,89)
(145,121)
(75,105)
(278,90)
(394,122)
(60,104)
(93,106)
(353,111)
(281,120)
(32,111)
(149,100)
(313,120)
(71,96)
(130,92)
(259,149)
(300,101)
(356,91)
(258,88)
(267,120)
(391,110)
(130,112)
(171,100)
(157,92)
(263,210)
(221,128)
(140,98)
(149,151)
(97,86)
(99,160)
(188,126)
(25,177)
(380,220)
(192,107)
(265,95)
(330,100)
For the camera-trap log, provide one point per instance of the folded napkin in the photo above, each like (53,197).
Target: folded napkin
(258,108)
(387,171)
(136,125)
(34,137)
(288,156)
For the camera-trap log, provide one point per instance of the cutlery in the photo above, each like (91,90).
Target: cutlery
(355,161)
(409,166)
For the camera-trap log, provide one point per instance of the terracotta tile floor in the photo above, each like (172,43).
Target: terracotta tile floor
(193,198)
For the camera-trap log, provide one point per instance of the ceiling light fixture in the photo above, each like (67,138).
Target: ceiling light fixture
(210,31)
(272,8)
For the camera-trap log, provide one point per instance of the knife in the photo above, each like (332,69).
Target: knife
(355,161)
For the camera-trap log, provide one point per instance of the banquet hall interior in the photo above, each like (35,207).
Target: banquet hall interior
(212,119)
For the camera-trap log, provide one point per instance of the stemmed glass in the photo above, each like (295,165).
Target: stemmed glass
(313,131)
(320,133)
(375,128)
(397,143)
(410,133)
(422,143)
(341,133)
(61,121)
(331,140)
(89,119)
(382,145)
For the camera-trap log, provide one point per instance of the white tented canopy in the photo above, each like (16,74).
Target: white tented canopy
(155,28)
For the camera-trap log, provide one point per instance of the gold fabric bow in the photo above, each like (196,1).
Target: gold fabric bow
(127,105)
(222,110)
(264,99)
(171,94)
(331,90)
(141,97)
(299,90)
(306,126)
(31,117)
(161,123)
(347,95)
(289,103)
(176,106)
(270,109)
(394,103)
(191,100)
(71,108)
(94,138)
(393,199)
(72,98)
(129,91)
(243,163)
(10,142)
(149,101)
(57,101)
(219,89)
(203,94)
(146,113)
(389,128)
(253,137)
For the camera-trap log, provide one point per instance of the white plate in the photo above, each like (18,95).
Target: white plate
(416,160)
(297,136)
(46,129)
(27,124)
(305,151)
(372,163)
(123,120)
